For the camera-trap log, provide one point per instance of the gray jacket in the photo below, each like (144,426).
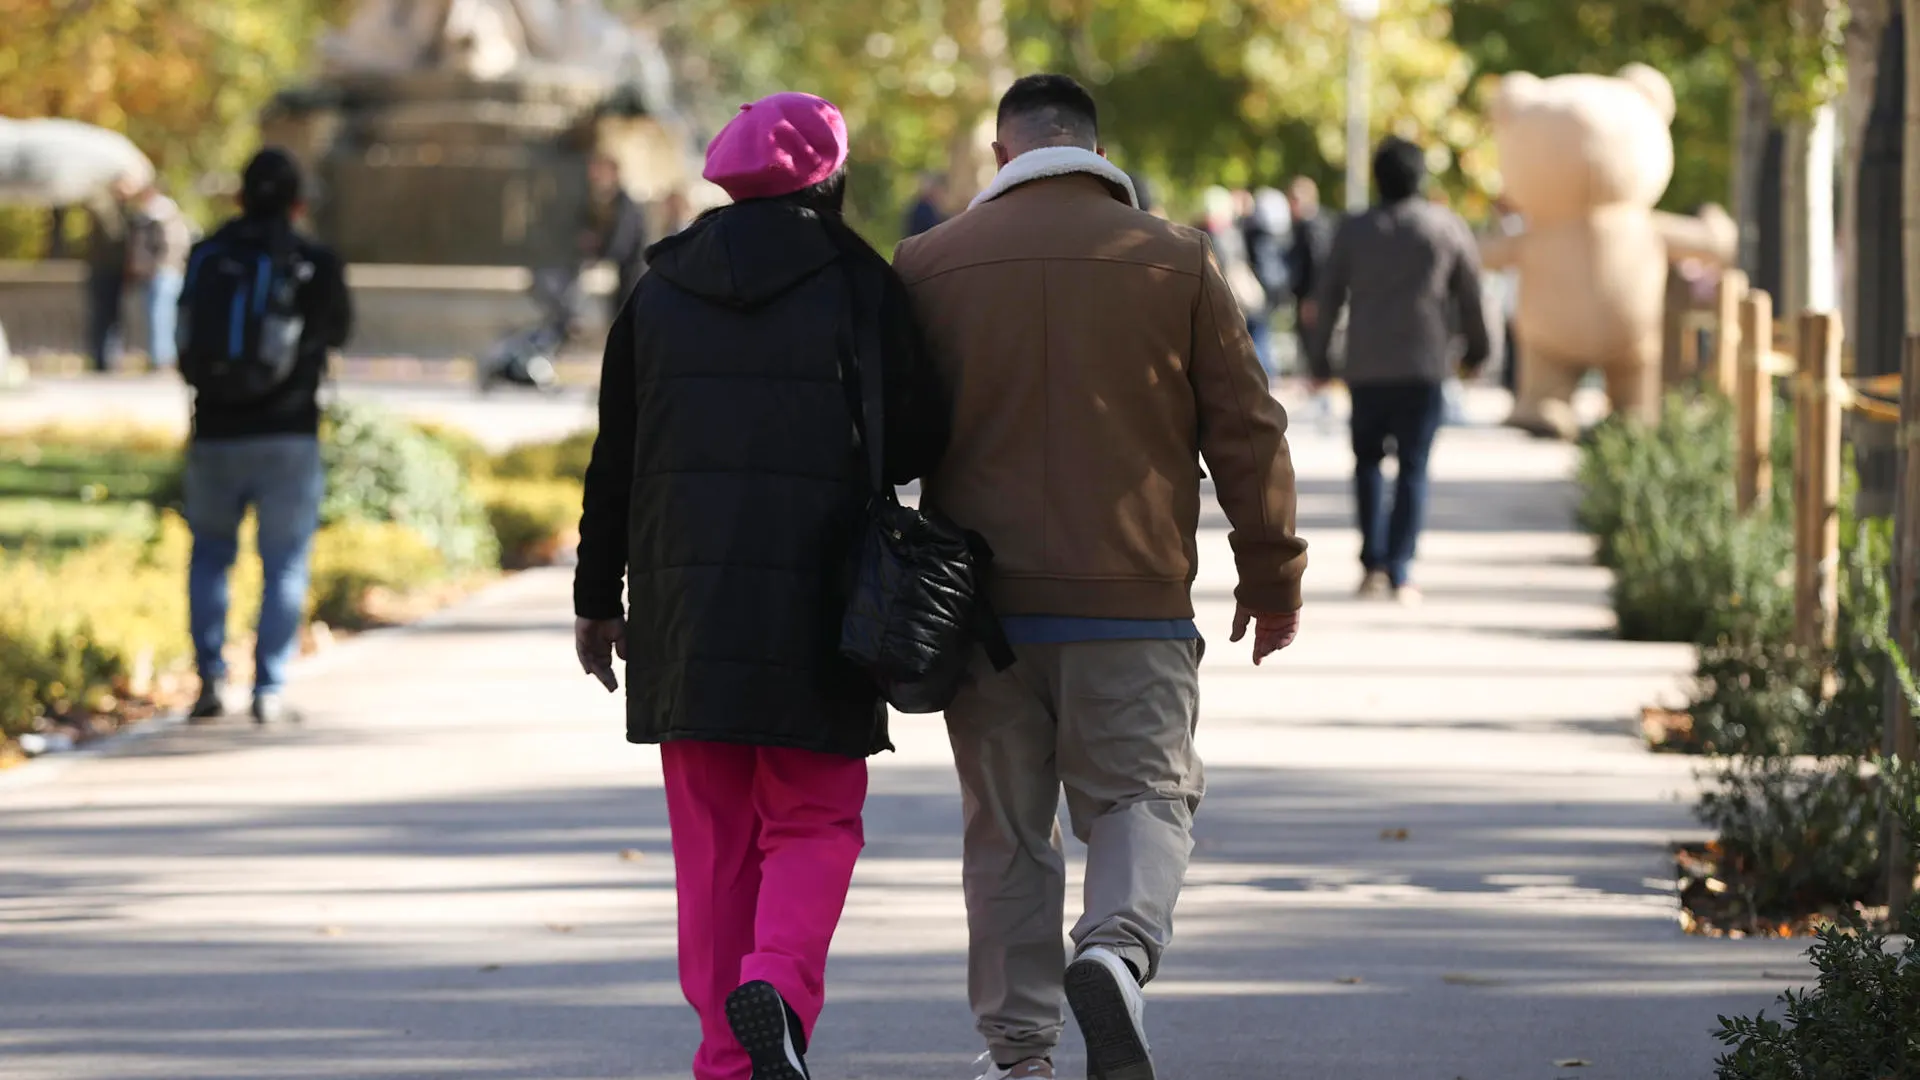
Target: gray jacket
(1408,274)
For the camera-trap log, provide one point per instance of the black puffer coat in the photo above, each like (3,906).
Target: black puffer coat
(727,483)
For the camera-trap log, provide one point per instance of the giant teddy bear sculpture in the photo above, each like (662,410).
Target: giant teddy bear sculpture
(1584,159)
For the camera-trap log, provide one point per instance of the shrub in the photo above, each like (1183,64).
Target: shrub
(476,463)
(352,558)
(1659,502)
(1796,838)
(382,469)
(52,672)
(564,459)
(532,519)
(1765,696)
(1858,1020)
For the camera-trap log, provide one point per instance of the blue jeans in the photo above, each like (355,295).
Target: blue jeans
(163,315)
(1260,329)
(1409,415)
(280,478)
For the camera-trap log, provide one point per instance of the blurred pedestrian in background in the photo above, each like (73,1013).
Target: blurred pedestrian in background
(927,209)
(1223,224)
(734,549)
(676,212)
(158,239)
(1268,230)
(1504,291)
(1311,236)
(1408,273)
(106,286)
(615,230)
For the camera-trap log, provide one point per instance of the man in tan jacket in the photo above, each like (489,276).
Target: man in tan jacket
(1093,354)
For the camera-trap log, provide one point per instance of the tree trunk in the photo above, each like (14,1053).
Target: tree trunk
(1809,281)
(1866,24)
(1906,614)
(980,29)
(1911,210)
(1876,281)
(1753,118)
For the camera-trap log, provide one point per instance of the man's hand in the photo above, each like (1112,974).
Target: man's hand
(595,641)
(1272,631)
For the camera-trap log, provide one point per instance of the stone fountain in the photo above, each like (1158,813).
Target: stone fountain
(457,132)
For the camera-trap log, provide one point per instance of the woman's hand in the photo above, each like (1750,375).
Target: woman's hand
(595,642)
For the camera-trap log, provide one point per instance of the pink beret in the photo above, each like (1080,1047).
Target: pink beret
(777,146)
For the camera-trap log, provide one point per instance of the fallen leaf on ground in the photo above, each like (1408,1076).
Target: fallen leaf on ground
(1571,1063)
(632,855)
(490,967)
(1349,980)
(560,928)
(330,931)
(1393,834)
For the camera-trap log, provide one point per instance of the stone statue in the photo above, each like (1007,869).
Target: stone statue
(481,39)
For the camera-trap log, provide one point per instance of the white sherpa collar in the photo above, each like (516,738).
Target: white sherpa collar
(1055,161)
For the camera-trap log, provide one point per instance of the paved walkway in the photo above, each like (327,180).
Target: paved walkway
(458,870)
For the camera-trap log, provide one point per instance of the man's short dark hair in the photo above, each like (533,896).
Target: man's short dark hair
(1052,101)
(1399,169)
(270,186)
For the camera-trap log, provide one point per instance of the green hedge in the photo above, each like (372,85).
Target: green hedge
(1659,503)
(383,469)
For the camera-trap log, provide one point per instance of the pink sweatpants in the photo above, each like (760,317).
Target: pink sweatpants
(764,842)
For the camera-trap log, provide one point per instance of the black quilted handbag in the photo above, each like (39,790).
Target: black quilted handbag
(918,606)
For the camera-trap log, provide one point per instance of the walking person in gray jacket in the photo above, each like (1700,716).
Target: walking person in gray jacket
(1408,272)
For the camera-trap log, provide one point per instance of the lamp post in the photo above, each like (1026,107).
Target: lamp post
(1360,16)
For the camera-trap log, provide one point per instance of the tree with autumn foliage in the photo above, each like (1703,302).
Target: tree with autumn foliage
(1193,92)
(184,79)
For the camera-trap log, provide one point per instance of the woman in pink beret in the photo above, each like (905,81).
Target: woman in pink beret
(726,487)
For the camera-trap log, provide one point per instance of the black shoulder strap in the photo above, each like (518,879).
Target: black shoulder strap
(864,309)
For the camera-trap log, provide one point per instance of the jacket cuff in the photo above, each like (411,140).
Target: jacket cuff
(596,604)
(1269,598)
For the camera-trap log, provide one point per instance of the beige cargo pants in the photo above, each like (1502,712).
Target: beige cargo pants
(1112,723)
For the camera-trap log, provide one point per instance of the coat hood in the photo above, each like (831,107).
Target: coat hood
(745,255)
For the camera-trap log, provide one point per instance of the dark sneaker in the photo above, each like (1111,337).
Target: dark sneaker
(769,1032)
(1107,1004)
(211,705)
(273,709)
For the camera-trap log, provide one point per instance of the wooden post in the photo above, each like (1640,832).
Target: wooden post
(1728,332)
(1817,483)
(1753,401)
(1900,740)
(1673,331)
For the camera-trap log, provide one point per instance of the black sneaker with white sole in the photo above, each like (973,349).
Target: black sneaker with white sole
(1107,1004)
(211,705)
(769,1031)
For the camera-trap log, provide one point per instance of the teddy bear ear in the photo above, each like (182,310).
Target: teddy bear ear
(1513,91)
(1653,85)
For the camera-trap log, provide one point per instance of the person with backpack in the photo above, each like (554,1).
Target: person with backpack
(260,307)
(728,484)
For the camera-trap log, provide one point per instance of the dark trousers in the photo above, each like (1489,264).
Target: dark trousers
(1407,415)
(106,290)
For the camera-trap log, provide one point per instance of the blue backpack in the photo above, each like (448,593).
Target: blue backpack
(240,324)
